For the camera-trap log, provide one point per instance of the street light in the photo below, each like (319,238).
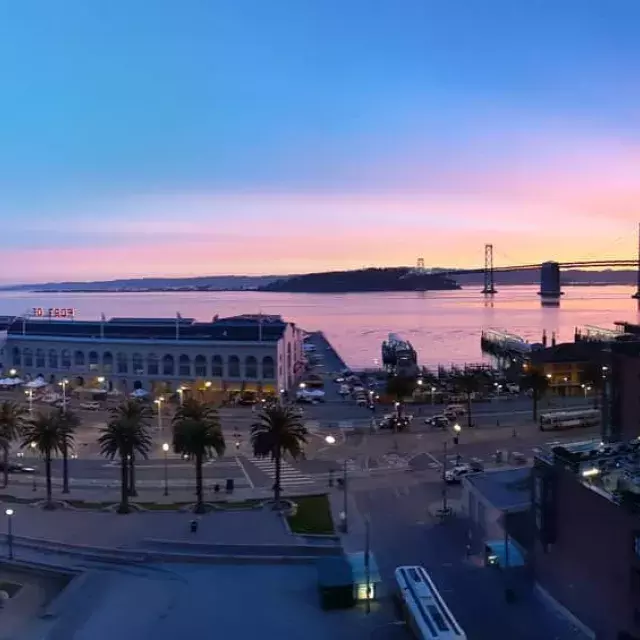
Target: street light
(33,446)
(12,372)
(433,390)
(63,383)
(9,514)
(330,440)
(158,402)
(456,430)
(102,381)
(29,394)
(165,449)
(181,394)
(345,505)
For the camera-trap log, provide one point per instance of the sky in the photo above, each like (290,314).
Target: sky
(204,137)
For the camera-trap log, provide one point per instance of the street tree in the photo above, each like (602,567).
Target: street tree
(69,423)
(125,435)
(46,432)
(538,383)
(197,435)
(278,431)
(468,382)
(12,419)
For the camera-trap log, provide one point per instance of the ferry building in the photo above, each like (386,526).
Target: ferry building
(160,355)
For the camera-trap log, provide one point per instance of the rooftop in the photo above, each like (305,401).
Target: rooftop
(244,328)
(506,489)
(582,351)
(612,470)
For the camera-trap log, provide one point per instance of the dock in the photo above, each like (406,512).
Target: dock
(503,344)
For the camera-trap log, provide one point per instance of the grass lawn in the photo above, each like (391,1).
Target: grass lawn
(313,516)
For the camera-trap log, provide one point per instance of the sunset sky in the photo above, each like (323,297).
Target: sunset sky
(199,137)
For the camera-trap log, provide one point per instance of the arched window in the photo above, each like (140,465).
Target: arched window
(200,363)
(234,367)
(268,368)
(122,362)
(250,367)
(40,359)
(137,364)
(184,366)
(217,367)
(78,358)
(168,366)
(65,359)
(94,365)
(153,368)
(16,357)
(137,384)
(27,354)
(53,359)
(107,362)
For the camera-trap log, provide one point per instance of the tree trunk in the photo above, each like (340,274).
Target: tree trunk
(5,457)
(276,486)
(124,485)
(65,468)
(199,497)
(47,468)
(132,475)
(469,422)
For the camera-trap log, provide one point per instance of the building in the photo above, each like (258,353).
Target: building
(250,352)
(586,554)
(623,361)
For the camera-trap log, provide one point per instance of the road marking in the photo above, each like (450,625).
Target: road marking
(289,476)
(246,475)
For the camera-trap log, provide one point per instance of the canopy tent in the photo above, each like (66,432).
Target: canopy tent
(38,383)
(11,382)
(139,393)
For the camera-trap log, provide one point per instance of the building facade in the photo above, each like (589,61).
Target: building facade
(257,353)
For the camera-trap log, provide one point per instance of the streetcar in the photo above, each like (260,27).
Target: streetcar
(570,419)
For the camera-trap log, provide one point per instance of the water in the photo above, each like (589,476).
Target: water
(444,326)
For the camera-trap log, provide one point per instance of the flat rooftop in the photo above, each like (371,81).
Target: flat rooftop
(506,489)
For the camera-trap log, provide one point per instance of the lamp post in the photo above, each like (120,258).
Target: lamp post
(345,503)
(181,394)
(33,446)
(165,449)
(433,390)
(29,394)
(64,384)
(12,372)
(9,514)
(158,402)
(456,433)
(102,381)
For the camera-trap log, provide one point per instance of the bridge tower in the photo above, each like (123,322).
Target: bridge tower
(636,295)
(489,281)
(420,265)
(550,281)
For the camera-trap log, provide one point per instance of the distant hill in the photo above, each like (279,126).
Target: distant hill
(361,280)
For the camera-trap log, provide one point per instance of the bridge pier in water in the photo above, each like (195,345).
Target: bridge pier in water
(550,281)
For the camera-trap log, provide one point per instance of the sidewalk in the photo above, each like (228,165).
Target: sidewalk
(355,538)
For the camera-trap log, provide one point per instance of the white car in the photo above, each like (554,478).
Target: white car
(90,406)
(453,476)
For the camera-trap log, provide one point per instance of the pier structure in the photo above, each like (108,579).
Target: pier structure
(592,333)
(506,347)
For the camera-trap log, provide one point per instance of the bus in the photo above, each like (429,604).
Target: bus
(570,419)
(424,611)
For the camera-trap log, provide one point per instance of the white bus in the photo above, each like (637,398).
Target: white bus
(570,419)
(425,612)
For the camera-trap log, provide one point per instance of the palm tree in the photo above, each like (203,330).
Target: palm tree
(197,434)
(47,433)
(69,422)
(12,417)
(468,382)
(126,433)
(538,383)
(279,431)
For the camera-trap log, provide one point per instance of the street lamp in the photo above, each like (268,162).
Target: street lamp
(33,446)
(456,434)
(9,514)
(433,390)
(12,372)
(165,449)
(29,394)
(102,381)
(181,394)
(64,384)
(345,505)
(158,402)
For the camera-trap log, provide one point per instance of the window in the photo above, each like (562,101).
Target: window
(65,359)
(16,357)
(78,358)
(93,361)
(200,363)
(268,368)
(168,367)
(184,366)
(53,359)
(217,367)
(251,367)
(28,357)
(153,368)
(234,367)
(122,362)
(137,364)
(40,359)
(107,362)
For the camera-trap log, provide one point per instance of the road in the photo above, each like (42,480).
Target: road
(403,533)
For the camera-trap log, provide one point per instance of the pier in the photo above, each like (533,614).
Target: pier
(503,344)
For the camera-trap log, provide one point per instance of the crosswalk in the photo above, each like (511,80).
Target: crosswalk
(289,476)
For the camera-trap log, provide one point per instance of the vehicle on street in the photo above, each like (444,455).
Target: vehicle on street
(438,422)
(90,406)
(15,467)
(456,409)
(395,423)
(570,419)
(423,608)
(344,390)
(454,476)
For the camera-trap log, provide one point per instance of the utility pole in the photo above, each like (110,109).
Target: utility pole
(345,496)
(367,565)
(445,506)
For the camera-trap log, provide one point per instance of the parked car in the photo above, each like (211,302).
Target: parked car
(15,467)
(90,406)
(438,422)
(454,476)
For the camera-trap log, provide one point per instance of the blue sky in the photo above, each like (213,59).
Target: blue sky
(200,129)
